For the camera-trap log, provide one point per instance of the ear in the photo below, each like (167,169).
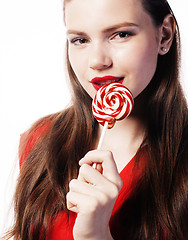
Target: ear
(167,31)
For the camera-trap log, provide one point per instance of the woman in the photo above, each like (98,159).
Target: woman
(139,189)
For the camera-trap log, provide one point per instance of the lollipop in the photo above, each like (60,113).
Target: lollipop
(112,102)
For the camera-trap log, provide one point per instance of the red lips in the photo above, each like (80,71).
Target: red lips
(98,82)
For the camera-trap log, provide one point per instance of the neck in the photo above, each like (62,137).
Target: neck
(125,138)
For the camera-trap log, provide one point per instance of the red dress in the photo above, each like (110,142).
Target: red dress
(63,227)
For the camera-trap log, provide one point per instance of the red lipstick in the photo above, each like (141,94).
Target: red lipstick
(98,82)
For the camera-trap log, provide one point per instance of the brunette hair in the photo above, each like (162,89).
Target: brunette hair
(162,197)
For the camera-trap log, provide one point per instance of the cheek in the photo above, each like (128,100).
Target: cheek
(79,64)
(145,62)
(139,65)
(74,60)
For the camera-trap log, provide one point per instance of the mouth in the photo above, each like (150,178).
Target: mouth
(98,82)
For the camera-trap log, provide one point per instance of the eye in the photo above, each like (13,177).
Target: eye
(122,35)
(79,41)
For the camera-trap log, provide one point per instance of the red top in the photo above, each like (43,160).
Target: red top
(130,176)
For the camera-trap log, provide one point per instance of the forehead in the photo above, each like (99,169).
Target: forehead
(80,13)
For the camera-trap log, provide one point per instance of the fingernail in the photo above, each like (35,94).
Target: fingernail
(80,162)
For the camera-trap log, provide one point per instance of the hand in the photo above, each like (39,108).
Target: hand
(93,194)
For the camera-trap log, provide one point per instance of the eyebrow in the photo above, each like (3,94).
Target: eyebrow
(106,30)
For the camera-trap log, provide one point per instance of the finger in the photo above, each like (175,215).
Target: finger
(71,201)
(87,189)
(83,187)
(105,158)
(81,203)
(97,182)
(99,168)
(91,190)
(90,175)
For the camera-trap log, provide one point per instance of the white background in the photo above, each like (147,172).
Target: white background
(32,81)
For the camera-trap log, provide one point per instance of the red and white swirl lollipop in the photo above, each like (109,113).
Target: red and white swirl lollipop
(112,102)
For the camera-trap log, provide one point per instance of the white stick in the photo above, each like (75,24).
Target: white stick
(101,140)
(102,135)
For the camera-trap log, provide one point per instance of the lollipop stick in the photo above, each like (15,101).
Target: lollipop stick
(102,135)
(101,140)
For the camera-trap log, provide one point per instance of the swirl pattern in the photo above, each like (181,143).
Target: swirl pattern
(112,102)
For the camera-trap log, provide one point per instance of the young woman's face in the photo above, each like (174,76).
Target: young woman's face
(111,40)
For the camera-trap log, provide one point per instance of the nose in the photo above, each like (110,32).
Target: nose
(99,58)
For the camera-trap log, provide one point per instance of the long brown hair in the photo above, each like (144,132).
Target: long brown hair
(162,199)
